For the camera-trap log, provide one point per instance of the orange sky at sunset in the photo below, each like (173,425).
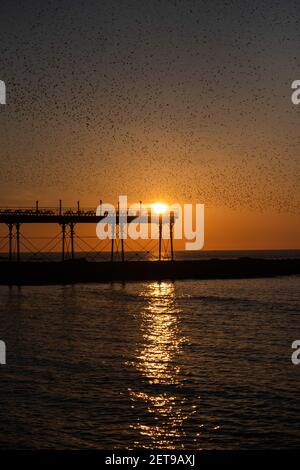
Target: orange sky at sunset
(158,105)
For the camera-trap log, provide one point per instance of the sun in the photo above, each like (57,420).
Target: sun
(159,207)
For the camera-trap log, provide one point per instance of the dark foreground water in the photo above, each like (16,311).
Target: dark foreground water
(189,364)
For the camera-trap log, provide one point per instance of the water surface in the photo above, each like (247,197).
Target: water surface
(185,364)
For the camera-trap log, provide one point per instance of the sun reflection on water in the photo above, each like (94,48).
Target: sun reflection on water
(161,335)
(157,360)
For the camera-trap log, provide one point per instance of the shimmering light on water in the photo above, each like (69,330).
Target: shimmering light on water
(162,338)
(161,345)
(189,364)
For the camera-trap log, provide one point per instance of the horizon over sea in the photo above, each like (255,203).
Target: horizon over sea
(190,364)
(151,256)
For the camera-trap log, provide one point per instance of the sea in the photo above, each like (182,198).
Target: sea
(190,364)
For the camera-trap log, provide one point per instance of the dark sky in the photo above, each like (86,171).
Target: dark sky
(175,100)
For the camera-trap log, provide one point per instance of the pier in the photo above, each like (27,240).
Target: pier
(69,217)
(69,269)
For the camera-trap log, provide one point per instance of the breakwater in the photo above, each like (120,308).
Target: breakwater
(77,271)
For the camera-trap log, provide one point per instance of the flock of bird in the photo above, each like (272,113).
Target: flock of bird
(175,100)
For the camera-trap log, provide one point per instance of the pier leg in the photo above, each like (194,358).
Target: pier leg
(122,248)
(72,239)
(121,237)
(171,241)
(160,237)
(112,242)
(10,238)
(112,250)
(63,241)
(18,241)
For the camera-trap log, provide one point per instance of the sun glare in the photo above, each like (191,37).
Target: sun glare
(159,207)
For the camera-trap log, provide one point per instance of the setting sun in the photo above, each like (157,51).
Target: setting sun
(159,207)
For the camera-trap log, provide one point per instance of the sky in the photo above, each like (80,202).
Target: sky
(179,101)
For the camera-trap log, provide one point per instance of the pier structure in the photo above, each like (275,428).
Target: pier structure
(70,217)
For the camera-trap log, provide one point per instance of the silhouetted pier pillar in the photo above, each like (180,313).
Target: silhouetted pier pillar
(171,239)
(63,230)
(159,236)
(122,251)
(10,239)
(18,240)
(72,239)
(113,232)
(121,233)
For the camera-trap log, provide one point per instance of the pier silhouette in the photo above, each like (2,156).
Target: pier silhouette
(68,217)
(17,271)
